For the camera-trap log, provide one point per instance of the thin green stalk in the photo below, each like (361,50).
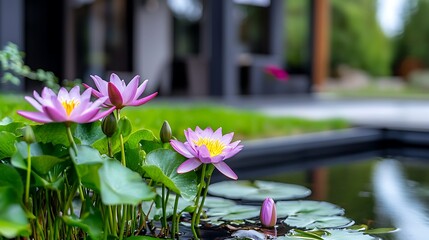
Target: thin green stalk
(121,138)
(164,208)
(209,176)
(27,182)
(112,221)
(124,220)
(173,224)
(71,139)
(197,200)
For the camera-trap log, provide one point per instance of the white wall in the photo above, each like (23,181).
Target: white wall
(153,35)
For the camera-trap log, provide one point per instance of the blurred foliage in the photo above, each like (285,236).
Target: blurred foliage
(13,67)
(245,124)
(356,38)
(413,42)
(296,34)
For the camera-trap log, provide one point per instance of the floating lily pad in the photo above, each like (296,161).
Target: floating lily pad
(258,190)
(216,202)
(237,212)
(307,207)
(333,234)
(320,222)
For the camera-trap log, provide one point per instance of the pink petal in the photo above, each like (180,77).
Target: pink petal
(131,89)
(191,136)
(62,93)
(115,95)
(35,116)
(140,89)
(225,170)
(33,102)
(86,95)
(85,117)
(101,85)
(233,151)
(204,154)
(180,148)
(101,115)
(54,114)
(188,165)
(119,84)
(75,92)
(143,100)
(217,134)
(226,139)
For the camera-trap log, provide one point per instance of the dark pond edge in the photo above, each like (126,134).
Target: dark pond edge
(268,156)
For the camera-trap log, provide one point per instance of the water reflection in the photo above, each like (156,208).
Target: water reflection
(397,202)
(378,192)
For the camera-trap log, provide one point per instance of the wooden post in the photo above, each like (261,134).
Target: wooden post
(320,42)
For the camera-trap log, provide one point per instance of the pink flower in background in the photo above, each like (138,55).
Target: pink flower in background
(65,107)
(120,94)
(268,214)
(276,72)
(205,147)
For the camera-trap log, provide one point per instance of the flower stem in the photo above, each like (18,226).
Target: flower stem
(124,220)
(197,200)
(71,139)
(121,139)
(209,176)
(27,183)
(174,224)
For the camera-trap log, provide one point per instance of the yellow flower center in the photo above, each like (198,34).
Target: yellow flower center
(69,105)
(214,146)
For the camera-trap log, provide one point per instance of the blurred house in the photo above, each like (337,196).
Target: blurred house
(185,47)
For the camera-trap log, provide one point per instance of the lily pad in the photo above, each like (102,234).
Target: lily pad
(237,212)
(258,190)
(320,222)
(307,207)
(216,202)
(332,234)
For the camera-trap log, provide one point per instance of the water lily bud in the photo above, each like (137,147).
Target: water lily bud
(109,125)
(28,135)
(165,133)
(268,214)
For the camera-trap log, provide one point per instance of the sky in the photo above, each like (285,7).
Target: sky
(389,15)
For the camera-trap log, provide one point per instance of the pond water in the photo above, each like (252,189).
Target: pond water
(378,192)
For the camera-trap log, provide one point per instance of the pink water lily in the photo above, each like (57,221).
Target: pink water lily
(65,106)
(207,147)
(120,94)
(268,214)
(276,72)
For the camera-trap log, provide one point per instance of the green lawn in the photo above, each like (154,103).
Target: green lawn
(245,124)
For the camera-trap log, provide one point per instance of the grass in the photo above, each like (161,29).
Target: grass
(245,124)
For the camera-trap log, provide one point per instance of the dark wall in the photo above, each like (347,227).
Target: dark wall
(44,38)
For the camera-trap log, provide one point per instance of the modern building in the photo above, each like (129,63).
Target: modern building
(185,47)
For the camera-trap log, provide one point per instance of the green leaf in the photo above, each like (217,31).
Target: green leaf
(215,202)
(13,220)
(88,133)
(161,166)
(12,127)
(137,136)
(87,162)
(41,162)
(120,185)
(257,190)
(312,221)
(135,159)
(7,144)
(51,133)
(307,207)
(91,222)
(237,212)
(10,177)
(380,230)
